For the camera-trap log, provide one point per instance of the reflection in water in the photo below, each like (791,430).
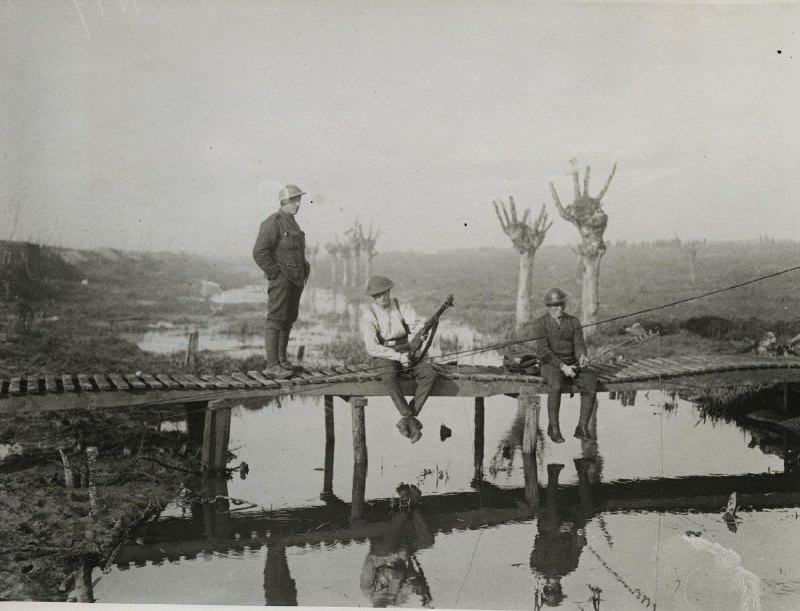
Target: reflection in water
(280,590)
(561,534)
(391,574)
(332,551)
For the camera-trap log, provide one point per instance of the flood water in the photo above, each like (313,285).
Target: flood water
(633,520)
(639,517)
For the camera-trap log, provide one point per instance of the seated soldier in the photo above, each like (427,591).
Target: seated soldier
(387,328)
(562,350)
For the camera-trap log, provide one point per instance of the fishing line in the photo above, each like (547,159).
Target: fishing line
(467,352)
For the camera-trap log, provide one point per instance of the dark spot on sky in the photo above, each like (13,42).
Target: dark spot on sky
(465,224)
(779,51)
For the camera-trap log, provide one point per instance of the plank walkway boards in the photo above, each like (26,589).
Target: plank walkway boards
(455,380)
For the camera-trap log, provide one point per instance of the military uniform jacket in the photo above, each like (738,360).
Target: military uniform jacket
(280,249)
(558,344)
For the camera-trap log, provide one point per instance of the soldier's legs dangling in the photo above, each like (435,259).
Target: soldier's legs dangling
(555,382)
(587,384)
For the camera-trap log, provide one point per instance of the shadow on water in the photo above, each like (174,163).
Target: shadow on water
(567,525)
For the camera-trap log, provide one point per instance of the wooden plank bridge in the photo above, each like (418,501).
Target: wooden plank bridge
(87,391)
(209,398)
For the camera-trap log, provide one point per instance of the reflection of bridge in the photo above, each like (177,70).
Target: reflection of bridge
(211,530)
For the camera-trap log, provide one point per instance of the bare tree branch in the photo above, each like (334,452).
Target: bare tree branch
(560,208)
(576,182)
(513,209)
(586,181)
(608,182)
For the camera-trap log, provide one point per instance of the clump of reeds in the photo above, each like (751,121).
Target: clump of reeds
(732,402)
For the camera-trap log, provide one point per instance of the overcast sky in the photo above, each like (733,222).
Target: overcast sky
(171,124)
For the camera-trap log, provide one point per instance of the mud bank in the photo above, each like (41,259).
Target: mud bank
(51,533)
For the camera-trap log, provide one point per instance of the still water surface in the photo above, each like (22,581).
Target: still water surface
(659,541)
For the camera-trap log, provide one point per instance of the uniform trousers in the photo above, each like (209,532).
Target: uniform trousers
(423,373)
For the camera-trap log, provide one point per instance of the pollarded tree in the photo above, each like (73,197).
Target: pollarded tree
(526,238)
(586,213)
(689,252)
(368,251)
(334,250)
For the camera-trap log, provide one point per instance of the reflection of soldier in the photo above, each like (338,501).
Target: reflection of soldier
(391,574)
(279,587)
(561,537)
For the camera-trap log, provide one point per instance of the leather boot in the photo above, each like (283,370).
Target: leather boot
(553,428)
(587,405)
(283,342)
(273,369)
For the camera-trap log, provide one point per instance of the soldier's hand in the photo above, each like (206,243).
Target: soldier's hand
(405,360)
(568,370)
(583,360)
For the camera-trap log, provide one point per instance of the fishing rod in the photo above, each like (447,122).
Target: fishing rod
(636,338)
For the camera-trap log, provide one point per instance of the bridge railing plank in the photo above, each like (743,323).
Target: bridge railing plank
(117,381)
(135,382)
(84,383)
(101,382)
(263,380)
(67,383)
(167,381)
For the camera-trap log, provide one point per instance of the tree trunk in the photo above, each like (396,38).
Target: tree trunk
(590,274)
(334,265)
(524,289)
(358,275)
(368,269)
(692,269)
(346,272)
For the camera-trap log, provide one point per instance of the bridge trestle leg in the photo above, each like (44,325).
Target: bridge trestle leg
(330,441)
(531,404)
(357,405)
(478,448)
(216,436)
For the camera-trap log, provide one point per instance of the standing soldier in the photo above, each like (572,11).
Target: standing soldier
(562,351)
(280,252)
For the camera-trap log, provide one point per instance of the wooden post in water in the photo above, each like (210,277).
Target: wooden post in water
(191,350)
(359,457)
(196,419)
(216,511)
(330,442)
(479,437)
(216,436)
(532,405)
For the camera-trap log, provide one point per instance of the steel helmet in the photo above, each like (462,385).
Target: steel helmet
(288,192)
(554,296)
(378,285)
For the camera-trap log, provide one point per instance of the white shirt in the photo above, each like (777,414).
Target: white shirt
(388,323)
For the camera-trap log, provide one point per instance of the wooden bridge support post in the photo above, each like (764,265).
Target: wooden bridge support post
(196,420)
(359,457)
(478,448)
(216,511)
(330,441)
(531,404)
(216,436)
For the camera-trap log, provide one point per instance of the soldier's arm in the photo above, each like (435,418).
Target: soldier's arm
(543,349)
(264,249)
(369,334)
(409,315)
